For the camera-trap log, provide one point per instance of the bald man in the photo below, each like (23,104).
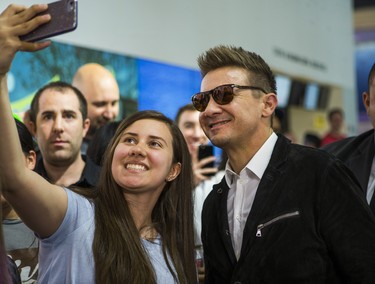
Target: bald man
(102,93)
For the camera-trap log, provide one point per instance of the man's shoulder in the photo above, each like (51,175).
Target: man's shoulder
(90,164)
(90,174)
(346,147)
(285,151)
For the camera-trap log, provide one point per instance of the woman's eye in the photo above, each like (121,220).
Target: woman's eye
(155,144)
(129,140)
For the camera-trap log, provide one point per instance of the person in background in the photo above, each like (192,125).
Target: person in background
(20,242)
(311,139)
(26,120)
(100,141)
(4,266)
(276,123)
(136,226)
(358,152)
(336,122)
(8,268)
(58,115)
(284,213)
(9,273)
(280,125)
(187,119)
(102,93)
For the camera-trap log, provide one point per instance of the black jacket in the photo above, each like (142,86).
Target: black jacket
(309,224)
(357,153)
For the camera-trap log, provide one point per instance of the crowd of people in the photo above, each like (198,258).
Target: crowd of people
(88,198)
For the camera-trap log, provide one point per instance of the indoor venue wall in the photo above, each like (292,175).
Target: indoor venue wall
(305,39)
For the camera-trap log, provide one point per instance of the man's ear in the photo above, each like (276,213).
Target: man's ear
(86,126)
(174,172)
(366,100)
(31,160)
(270,104)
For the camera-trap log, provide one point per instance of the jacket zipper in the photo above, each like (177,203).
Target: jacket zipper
(261,226)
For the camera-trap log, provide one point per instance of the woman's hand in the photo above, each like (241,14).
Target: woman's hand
(16,21)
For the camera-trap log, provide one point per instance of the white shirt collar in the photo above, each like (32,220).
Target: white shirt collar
(258,162)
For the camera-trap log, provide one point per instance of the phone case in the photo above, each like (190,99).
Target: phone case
(205,151)
(63,19)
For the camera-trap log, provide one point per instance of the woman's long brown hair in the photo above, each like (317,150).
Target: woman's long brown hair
(117,247)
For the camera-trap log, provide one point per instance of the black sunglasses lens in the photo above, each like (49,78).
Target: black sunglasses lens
(200,101)
(223,94)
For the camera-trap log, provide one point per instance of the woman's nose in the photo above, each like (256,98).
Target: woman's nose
(137,150)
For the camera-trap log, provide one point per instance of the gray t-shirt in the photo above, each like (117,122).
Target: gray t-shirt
(66,256)
(22,245)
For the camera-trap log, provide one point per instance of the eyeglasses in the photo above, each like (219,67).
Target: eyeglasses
(222,95)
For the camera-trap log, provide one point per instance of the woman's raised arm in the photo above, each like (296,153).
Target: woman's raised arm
(41,205)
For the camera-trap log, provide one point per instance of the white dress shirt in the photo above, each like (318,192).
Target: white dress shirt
(242,190)
(371,183)
(200,193)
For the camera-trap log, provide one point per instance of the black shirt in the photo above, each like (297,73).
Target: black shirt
(89,177)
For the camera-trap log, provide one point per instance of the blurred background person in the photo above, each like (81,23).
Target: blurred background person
(280,124)
(100,141)
(312,140)
(102,93)
(20,242)
(8,269)
(187,119)
(336,123)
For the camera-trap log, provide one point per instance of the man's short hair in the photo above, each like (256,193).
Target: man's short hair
(59,86)
(181,110)
(260,74)
(334,111)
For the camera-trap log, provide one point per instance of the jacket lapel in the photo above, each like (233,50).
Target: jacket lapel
(266,189)
(222,218)
(361,162)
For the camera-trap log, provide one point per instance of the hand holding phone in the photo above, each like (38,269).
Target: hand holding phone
(63,19)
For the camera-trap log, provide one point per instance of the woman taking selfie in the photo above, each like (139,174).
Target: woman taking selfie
(136,226)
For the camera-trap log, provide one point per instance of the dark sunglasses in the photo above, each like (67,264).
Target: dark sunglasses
(222,95)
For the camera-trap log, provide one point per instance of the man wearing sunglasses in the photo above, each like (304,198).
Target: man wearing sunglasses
(284,213)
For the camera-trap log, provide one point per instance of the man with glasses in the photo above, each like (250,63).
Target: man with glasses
(284,213)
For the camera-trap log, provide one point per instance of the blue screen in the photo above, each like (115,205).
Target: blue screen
(283,85)
(165,87)
(311,96)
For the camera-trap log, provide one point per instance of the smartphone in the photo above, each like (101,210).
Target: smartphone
(63,19)
(205,151)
